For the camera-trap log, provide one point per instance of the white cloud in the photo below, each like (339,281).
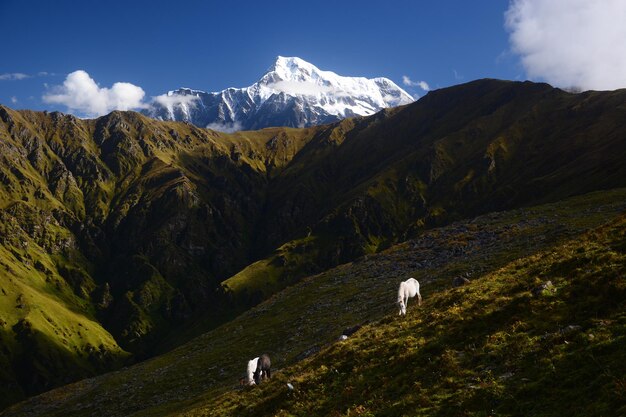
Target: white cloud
(410,83)
(13,76)
(225,127)
(423,85)
(14,100)
(170,100)
(81,94)
(570,43)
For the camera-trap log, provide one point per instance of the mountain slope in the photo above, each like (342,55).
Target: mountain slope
(455,153)
(497,250)
(159,231)
(292,93)
(488,348)
(105,236)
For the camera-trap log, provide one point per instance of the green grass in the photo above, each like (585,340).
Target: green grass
(473,335)
(49,336)
(263,278)
(490,348)
(49,330)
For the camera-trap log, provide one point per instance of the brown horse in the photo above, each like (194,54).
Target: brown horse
(263,368)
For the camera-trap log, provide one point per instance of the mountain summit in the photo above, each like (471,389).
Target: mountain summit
(292,93)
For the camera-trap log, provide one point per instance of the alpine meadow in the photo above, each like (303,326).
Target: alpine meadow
(125,237)
(436,229)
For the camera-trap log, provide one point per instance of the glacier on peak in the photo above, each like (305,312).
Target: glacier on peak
(292,93)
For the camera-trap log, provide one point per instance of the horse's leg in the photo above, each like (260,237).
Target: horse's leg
(419,299)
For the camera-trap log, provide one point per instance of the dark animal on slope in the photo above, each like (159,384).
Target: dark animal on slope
(460,281)
(351,330)
(263,369)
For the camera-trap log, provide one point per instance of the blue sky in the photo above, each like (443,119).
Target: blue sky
(211,45)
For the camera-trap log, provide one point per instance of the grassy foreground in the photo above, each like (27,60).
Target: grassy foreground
(489,348)
(467,351)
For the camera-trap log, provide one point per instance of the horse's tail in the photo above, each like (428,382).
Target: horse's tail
(417,291)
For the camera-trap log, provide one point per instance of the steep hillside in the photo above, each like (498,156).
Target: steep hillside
(506,255)
(147,233)
(493,347)
(114,230)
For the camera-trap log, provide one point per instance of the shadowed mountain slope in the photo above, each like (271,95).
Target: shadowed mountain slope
(457,152)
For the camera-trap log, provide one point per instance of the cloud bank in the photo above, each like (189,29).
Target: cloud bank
(570,43)
(410,83)
(80,93)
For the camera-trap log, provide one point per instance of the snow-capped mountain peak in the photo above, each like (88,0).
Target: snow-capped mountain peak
(292,92)
(292,69)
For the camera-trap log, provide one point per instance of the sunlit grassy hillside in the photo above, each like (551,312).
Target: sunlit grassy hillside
(492,347)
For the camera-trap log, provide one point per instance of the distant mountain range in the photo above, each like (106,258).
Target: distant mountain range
(292,93)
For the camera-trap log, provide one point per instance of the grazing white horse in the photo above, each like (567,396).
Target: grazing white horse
(252,365)
(408,289)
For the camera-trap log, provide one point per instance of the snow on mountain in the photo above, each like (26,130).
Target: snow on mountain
(292,93)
